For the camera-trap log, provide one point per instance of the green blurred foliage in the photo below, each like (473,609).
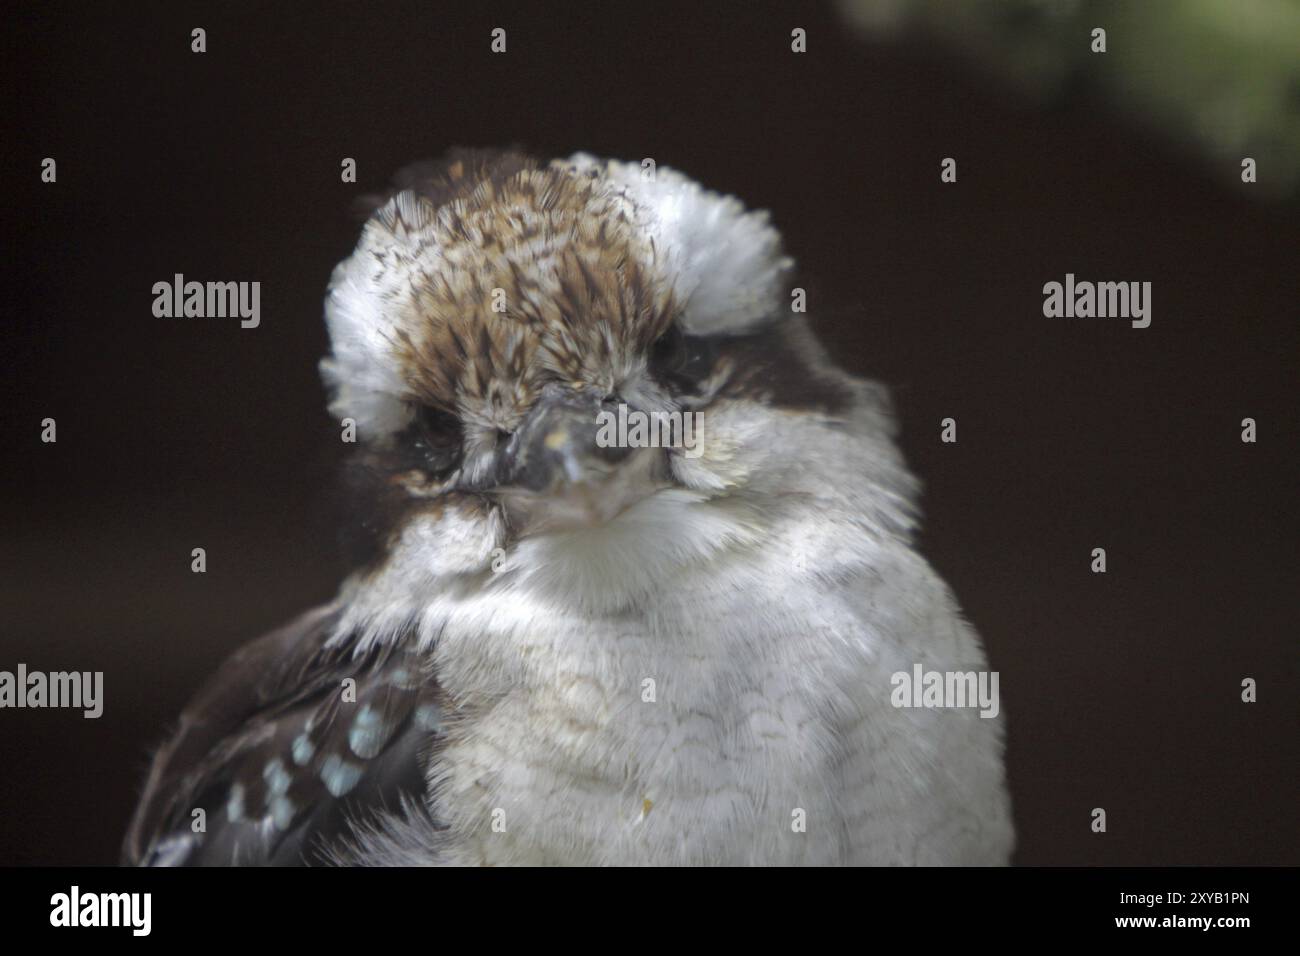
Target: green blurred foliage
(1221,77)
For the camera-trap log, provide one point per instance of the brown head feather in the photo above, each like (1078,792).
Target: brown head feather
(518,276)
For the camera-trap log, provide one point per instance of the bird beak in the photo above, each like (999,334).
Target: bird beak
(554,473)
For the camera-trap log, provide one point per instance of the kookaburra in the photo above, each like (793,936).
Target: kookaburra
(559,651)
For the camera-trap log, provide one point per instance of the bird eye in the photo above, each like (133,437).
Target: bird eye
(669,351)
(681,360)
(438,427)
(437,439)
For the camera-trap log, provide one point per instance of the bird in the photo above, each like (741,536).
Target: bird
(557,651)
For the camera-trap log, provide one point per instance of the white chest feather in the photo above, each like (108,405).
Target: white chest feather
(746,720)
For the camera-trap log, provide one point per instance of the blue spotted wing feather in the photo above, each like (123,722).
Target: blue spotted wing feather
(296,742)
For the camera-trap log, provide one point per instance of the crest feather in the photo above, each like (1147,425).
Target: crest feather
(724,262)
(590,262)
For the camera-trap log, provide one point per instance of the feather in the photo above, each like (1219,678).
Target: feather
(282,758)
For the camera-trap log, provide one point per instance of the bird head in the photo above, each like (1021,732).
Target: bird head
(499,312)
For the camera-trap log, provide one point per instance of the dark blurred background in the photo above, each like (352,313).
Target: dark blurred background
(1122,690)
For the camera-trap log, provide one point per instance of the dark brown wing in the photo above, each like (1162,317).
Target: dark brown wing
(284,756)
